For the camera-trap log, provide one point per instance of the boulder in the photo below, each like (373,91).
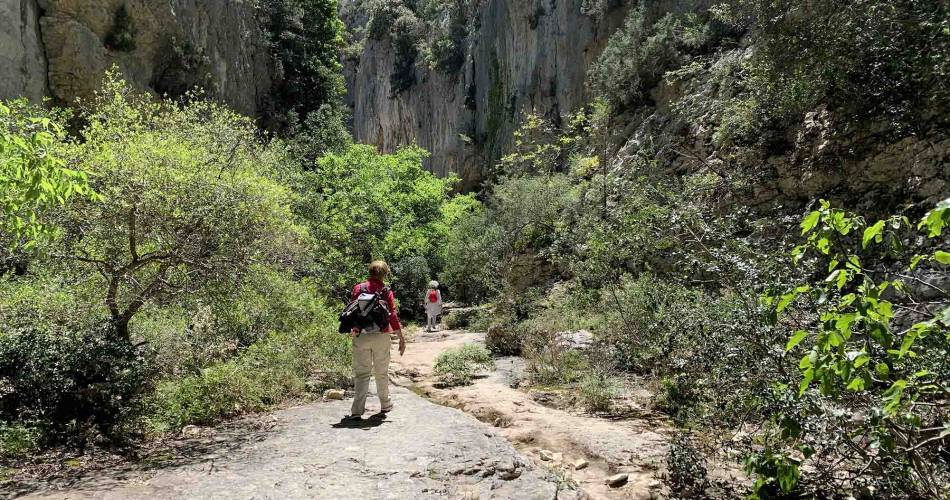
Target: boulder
(334,394)
(616,480)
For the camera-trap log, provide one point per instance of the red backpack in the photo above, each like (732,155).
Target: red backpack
(433,296)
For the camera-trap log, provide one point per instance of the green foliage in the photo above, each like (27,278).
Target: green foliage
(458,366)
(267,373)
(121,36)
(18,441)
(421,33)
(34,175)
(363,205)
(597,391)
(868,342)
(687,467)
(504,339)
(306,37)
(473,318)
(472,257)
(71,383)
(639,54)
(184,204)
(867,58)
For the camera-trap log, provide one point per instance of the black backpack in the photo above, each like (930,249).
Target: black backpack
(368,312)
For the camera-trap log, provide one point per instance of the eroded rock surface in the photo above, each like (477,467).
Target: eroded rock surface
(421,450)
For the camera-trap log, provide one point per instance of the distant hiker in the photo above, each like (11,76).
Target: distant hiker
(433,303)
(373,317)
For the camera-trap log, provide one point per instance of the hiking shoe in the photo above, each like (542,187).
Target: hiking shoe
(387,409)
(352,418)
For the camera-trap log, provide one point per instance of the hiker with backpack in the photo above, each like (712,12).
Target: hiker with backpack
(371,320)
(433,305)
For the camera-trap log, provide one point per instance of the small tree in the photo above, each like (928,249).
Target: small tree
(185,205)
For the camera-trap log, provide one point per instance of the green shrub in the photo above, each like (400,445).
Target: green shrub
(504,340)
(18,441)
(71,383)
(267,373)
(473,318)
(866,58)
(458,366)
(411,277)
(122,34)
(643,50)
(868,350)
(687,467)
(597,391)
(473,259)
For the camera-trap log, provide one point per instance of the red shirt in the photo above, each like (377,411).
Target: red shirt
(373,286)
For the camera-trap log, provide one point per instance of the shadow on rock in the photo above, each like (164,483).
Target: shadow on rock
(105,474)
(362,423)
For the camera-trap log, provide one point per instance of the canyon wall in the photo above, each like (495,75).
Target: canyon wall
(520,56)
(61,48)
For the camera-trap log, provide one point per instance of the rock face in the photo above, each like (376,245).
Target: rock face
(21,51)
(62,48)
(521,57)
(533,56)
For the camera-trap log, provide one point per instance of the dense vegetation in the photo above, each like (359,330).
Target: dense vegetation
(703,217)
(814,331)
(167,266)
(429,33)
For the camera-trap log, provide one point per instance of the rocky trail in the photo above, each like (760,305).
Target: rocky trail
(583,451)
(485,440)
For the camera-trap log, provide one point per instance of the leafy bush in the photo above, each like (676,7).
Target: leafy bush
(412,275)
(868,58)
(34,176)
(267,373)
(597,392)
(305,36)
(473,318)
(122,34)
(70,383)
(18,441)
(473,258)
(457,366)
(687,467)
(868,347)
(643,50)
(504,340)
(199,219)
(362,205)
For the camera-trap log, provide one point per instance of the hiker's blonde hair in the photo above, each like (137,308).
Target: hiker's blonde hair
(378,269)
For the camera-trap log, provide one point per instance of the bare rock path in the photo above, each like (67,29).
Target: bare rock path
(421,450)
(553,438)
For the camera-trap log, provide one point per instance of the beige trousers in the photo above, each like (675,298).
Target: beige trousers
(371,357)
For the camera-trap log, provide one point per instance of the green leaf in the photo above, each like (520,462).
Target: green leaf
(810,221)
(857,384)
(796,339)
(942,257)
(861,360)
(872,233)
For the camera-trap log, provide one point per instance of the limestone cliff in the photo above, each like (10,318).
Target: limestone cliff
(520,56)
(61,48)
(534,55)
(21,52)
